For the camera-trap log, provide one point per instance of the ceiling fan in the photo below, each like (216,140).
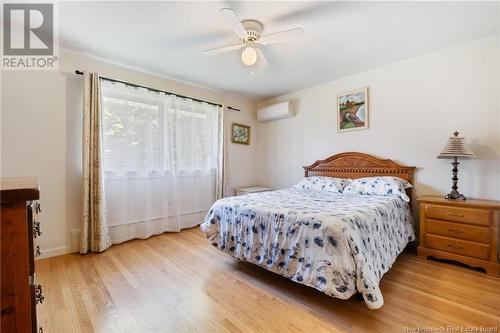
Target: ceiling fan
(250,34)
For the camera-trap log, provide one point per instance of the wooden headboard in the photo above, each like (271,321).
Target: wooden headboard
(357,165)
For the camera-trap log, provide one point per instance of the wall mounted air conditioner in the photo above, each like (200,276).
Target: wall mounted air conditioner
(277,111)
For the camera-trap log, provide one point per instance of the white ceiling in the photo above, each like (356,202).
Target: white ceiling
(341,38)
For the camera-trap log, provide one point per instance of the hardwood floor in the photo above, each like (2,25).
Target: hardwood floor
(178,282)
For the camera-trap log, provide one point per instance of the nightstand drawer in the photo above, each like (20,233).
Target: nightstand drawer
(466,248)
(463,215)
(457,230)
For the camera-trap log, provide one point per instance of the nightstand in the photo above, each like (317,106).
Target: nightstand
(465,231)
(247,190)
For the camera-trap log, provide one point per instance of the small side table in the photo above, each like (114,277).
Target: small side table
(247,190)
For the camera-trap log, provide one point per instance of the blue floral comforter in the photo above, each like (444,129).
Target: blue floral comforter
(336,243)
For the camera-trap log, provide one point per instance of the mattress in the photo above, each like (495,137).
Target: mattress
(336,243)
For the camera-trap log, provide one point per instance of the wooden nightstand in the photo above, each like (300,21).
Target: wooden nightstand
(465,231)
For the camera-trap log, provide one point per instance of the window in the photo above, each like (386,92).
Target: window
(160,155)
(145,131)
(131,135)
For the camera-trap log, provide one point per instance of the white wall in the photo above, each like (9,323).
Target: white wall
(41,114)
(414,106)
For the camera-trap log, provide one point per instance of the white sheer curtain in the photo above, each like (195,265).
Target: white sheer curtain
(161,154)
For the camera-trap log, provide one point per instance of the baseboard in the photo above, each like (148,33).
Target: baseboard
(73,247)
(56,251)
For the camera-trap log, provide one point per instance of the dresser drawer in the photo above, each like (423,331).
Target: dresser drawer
(456,214)
(465,248)
(458,230)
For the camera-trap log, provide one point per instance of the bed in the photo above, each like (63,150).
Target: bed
(339,244)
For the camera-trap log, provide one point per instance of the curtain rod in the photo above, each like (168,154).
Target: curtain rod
(79,72)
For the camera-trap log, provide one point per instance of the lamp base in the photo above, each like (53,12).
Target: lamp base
(455,195)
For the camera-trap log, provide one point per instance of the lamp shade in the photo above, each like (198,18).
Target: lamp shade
(456,147)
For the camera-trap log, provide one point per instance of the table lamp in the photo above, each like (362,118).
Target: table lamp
(455,148)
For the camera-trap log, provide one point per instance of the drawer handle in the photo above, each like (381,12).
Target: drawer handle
(39,294)
(36,229)
(37,208)
(38,252)
(455,230)
(456,247)
(455,215)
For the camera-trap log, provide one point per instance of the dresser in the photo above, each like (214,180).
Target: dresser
(464,231)
(19,226)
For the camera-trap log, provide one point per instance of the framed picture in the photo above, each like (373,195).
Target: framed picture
(240,134)
(352,110)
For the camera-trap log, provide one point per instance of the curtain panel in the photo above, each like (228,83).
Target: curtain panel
(162,162)
(222,164)
(94,232)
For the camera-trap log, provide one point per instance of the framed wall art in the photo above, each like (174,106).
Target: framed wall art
(240,134)
(352,110)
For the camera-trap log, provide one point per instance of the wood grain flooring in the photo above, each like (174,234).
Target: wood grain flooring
(177,282)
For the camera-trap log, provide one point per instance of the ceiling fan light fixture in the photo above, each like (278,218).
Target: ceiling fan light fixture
(249,56)
(250,34)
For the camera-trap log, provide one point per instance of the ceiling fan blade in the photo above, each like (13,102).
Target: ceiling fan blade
(222,49)
(261,60)
(234,22)
(282,36)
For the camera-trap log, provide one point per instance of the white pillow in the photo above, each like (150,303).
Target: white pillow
(328,184)
(386,186)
